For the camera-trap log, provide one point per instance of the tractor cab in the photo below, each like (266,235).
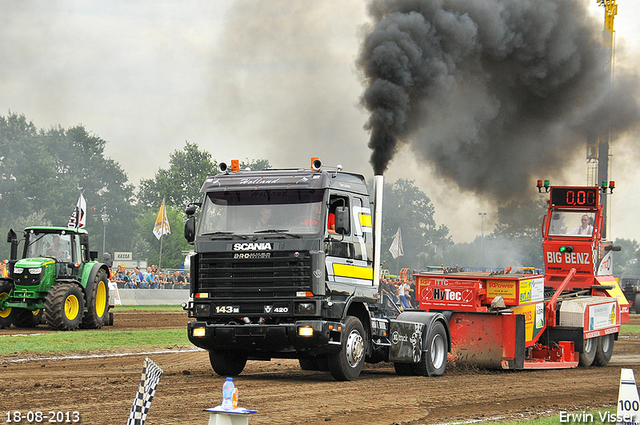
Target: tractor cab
(45,247)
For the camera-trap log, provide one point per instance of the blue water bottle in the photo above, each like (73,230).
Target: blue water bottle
(227,394)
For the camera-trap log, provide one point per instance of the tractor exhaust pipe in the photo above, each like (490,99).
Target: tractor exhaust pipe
(378,181)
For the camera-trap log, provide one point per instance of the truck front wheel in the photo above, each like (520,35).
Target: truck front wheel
(604,350)
(347,364)
(227,363)
(6,315)
(589,347)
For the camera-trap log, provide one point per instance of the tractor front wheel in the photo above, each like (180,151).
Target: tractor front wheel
(97,314)
(27,318)
(64,306)
(6,315)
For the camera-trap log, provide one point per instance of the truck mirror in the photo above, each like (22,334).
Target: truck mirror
(190,229)
(342,220)
(191,210)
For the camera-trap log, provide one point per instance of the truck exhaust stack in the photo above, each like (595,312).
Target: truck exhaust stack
(378,181)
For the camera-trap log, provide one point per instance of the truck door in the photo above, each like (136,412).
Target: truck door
(349,251)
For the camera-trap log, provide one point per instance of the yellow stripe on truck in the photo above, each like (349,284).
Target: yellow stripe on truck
(345,270)
(365,220)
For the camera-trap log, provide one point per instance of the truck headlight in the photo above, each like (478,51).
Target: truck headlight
(36,270)
(306,308)
(199,332)
(202,309)
(305,331)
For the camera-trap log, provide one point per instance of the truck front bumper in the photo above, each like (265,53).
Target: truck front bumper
(289,340)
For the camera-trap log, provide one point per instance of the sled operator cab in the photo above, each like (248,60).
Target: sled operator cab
(572,239)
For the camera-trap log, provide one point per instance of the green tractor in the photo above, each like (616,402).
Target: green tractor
(57,281)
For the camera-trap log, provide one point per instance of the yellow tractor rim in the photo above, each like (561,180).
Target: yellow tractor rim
(101,298)
(71,307)
(5,313)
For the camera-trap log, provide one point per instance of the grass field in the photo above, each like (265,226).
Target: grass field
(69,342)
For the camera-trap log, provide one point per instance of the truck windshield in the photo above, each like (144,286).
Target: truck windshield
(296,211)
(571,223)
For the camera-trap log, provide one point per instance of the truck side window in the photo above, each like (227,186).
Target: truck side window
(339,205)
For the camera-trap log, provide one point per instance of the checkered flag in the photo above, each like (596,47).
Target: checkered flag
(150,377)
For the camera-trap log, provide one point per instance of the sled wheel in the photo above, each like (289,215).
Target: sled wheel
(604,350)
(96,315)
(589,347)
(227,363)
(6,315)
(347,364)
(64,306)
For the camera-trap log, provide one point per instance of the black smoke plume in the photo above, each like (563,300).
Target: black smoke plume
(492,93)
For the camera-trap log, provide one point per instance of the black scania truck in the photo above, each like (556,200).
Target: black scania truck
(283,267)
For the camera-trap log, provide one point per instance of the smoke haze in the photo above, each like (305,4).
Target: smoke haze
(493,94)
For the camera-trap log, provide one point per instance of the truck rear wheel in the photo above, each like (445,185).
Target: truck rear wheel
(347,364)
(604,350)
(227,363)
(6,315)
(97,313)
(589,347)
(27,318)
(64,306)
(434,359)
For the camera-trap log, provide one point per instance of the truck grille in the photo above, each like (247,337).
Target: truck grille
(280,275)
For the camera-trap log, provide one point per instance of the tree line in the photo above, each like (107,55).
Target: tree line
(43,172)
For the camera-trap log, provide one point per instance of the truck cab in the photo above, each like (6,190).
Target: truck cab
(283,267)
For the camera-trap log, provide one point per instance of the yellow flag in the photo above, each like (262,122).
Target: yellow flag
(162,223)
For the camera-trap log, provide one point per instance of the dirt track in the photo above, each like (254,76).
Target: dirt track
(102,388)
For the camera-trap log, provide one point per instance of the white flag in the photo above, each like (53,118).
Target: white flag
(162,223)
(396,246)
(78,217)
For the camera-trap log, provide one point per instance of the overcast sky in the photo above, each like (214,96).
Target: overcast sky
(242,79)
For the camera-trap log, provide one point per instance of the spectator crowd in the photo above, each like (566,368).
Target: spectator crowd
(401,292)
(152,279)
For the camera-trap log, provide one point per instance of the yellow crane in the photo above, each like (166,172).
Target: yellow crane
(598,148)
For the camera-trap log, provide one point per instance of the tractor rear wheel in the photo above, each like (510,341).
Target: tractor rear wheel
(64,306)
(97,314)
(6,315)
(589,347)
(227,363)
(604,350)
(27,318)
(636,303)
